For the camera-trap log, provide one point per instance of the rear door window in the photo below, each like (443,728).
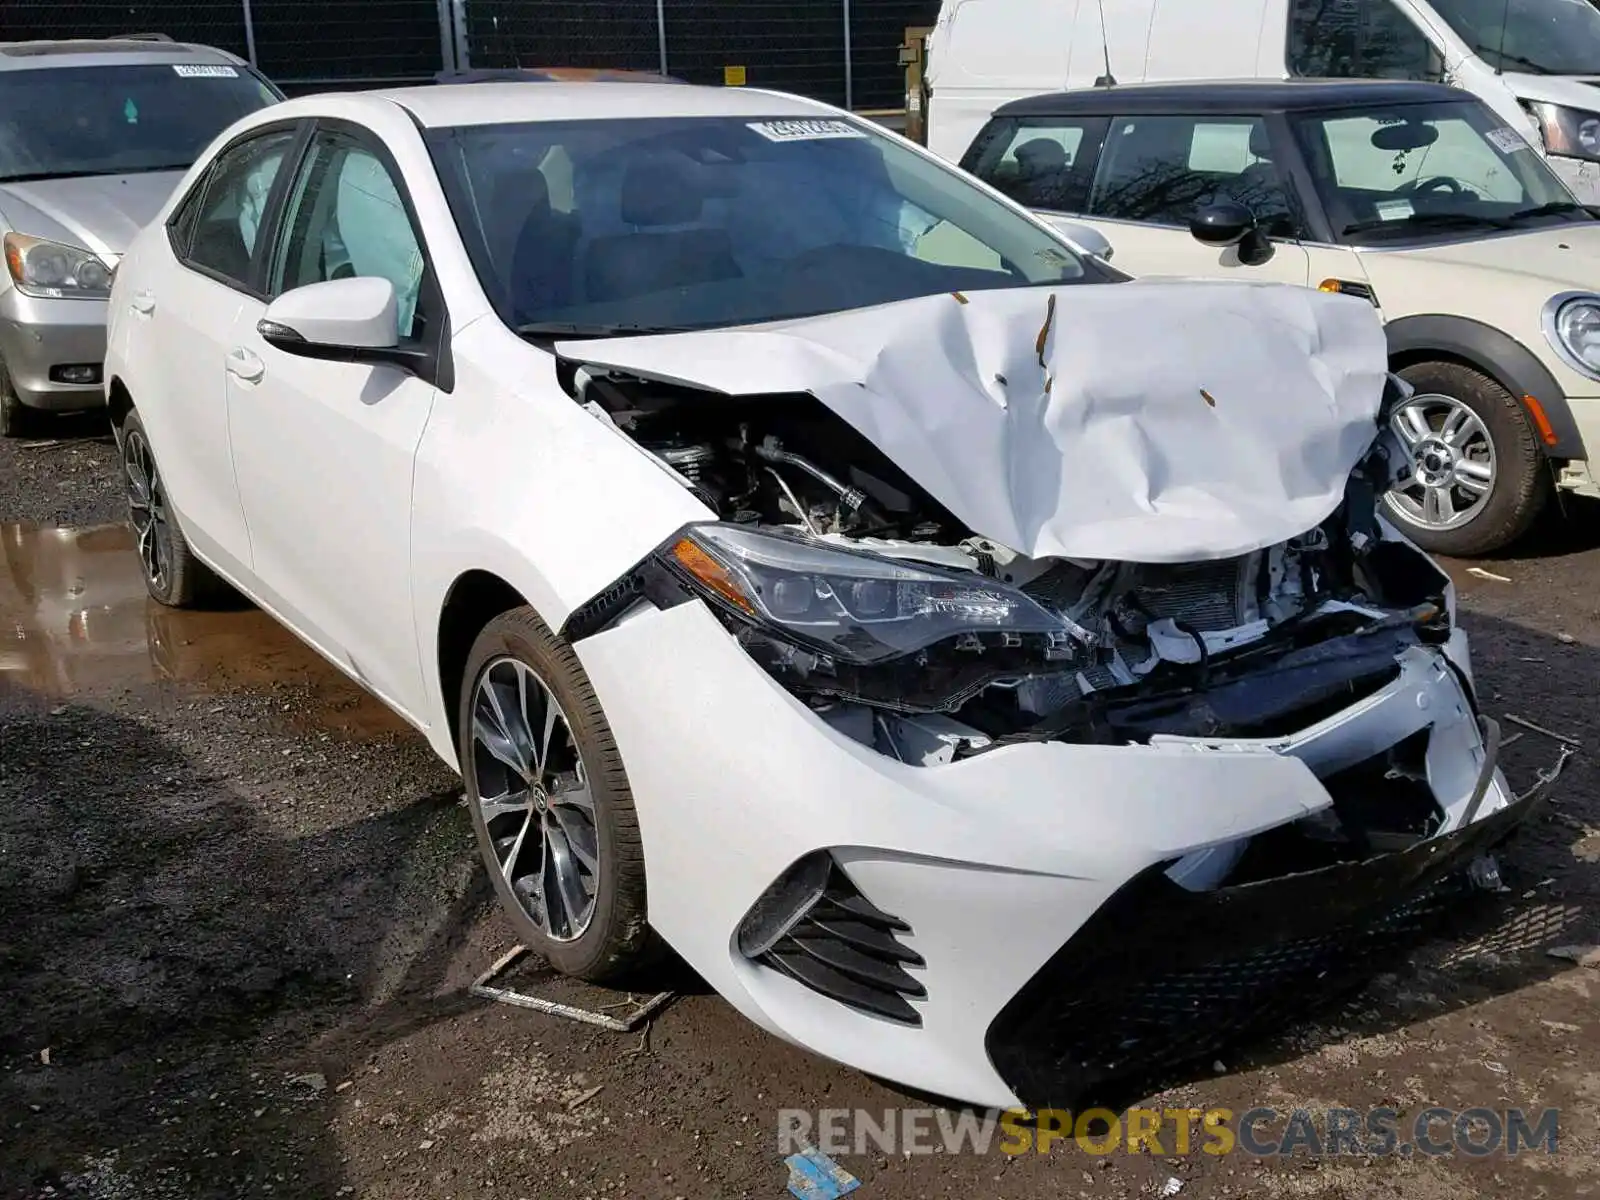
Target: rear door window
(222,234)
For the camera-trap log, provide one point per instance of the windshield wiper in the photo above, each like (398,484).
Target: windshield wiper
(44,176)
(572,329)
(1424,220)
(1527,64)
(1556,208)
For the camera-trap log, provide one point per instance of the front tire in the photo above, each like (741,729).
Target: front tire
(172,574)
(1481,480)
(550,802)
(16,418)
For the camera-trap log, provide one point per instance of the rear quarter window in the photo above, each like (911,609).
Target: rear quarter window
(1041,162)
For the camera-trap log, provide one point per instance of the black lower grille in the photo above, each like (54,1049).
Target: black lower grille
(849,950)
(1161,977)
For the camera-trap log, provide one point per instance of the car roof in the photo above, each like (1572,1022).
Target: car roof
(131,50)
(446,105)
(1232,96)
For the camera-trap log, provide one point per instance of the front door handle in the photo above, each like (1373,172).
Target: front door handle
(246,366)
(143,303)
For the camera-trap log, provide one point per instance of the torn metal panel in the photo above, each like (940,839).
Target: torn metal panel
(1150,422)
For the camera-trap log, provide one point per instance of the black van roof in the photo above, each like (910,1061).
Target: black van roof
(1232,96)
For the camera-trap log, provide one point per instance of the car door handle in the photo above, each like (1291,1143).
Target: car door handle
(246,366)
(143,303)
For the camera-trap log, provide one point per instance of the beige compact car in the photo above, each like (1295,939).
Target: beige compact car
(1413,197)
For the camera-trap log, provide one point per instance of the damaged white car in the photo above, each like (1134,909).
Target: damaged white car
(984,670)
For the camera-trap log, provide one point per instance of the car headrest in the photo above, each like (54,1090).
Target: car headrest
(1041,154)
(1260,141)
(659,193)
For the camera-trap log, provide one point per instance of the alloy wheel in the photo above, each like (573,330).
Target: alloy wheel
(1455,463)
(147,509)
(534,796)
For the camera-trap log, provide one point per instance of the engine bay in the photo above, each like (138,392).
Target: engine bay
(1248,646)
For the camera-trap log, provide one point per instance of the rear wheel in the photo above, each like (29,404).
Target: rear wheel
(172,574)
(550,802)
(1480,481)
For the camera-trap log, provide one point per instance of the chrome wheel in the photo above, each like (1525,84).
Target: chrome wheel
(534,797)
(147,510)
(1455,463)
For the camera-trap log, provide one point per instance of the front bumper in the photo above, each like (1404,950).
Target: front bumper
(1162,976)
(1003,865)
(37,336)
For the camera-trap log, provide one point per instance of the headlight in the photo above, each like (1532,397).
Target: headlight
(1568,132)
(1572,327)
(50,270)
(859,608)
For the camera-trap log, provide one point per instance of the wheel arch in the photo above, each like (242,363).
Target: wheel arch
(1468,343)
(119,403)
(473,600)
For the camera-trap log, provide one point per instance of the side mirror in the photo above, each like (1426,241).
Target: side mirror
(1229,223)
(1086,238)
(342,320)
(1223,224)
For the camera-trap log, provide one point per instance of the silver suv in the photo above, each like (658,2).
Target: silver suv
(93,137)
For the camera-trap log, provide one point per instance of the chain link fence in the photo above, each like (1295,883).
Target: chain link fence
(562,33)
(841,51)
(215,24)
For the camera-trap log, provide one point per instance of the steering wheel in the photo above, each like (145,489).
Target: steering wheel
(1439,183)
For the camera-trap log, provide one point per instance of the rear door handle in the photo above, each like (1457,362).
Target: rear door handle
(143,303)
(246,366)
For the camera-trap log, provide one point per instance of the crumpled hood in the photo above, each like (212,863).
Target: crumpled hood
(98,212)
(1140,422)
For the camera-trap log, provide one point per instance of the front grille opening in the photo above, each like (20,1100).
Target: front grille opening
(1381,804)
(816,927)
(1143,1031)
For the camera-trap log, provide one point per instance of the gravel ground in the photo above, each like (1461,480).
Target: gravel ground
(238,914)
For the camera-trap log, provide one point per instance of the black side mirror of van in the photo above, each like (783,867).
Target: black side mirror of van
(1228,223)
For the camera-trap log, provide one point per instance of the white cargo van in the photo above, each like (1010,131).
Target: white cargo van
(1535,62)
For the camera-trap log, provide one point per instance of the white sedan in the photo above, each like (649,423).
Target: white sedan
(984,670)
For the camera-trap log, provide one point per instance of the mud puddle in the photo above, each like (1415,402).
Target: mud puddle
(75,620)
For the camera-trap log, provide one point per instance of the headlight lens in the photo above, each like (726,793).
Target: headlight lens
(1572,324)
(50,270)
(858,608)
(1569,132)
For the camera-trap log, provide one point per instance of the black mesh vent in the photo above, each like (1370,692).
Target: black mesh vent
(849,950)
(1160,977)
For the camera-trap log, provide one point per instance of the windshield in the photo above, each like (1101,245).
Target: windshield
(64,121)
(1541,37)
(1428,170)
(671,223)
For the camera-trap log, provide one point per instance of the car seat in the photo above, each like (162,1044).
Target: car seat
(541,262)
(1260,188)
(656,194)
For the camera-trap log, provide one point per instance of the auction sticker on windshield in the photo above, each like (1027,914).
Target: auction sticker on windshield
(805,130)
(204,71)
(1507,140)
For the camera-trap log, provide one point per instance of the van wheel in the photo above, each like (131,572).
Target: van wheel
(1480,481)
(16,418)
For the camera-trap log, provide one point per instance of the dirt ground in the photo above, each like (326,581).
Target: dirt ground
(239,912)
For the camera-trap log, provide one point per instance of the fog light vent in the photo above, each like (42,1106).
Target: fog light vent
(814,925)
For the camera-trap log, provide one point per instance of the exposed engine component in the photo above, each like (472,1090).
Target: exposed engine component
(1113,651)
